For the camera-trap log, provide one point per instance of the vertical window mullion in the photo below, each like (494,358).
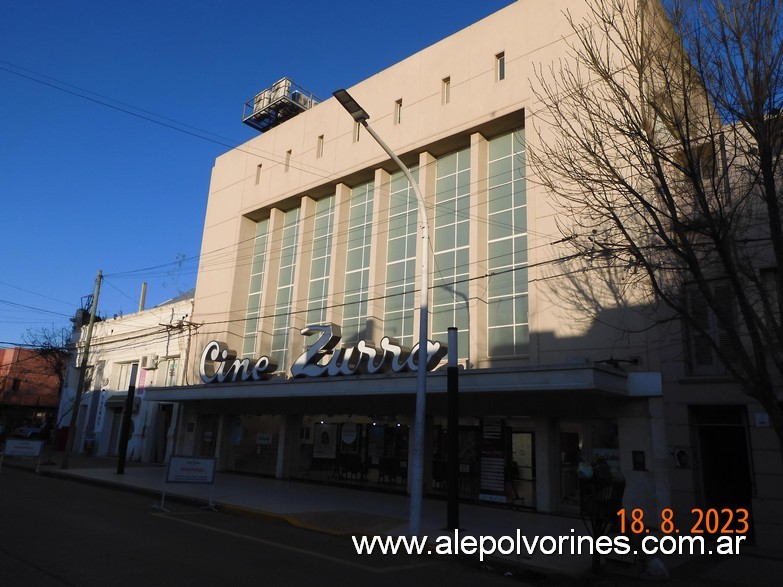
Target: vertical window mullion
(255,292)
(451,245)
(507,290)
(401,259)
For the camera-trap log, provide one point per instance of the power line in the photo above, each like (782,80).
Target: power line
(42,310)
(34,293)
(175,125)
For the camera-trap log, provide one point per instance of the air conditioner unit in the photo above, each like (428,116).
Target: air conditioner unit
(261,101)
(149,362)
(281,89)
(301,99)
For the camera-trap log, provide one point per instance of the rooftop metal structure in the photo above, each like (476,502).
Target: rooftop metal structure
(278,103)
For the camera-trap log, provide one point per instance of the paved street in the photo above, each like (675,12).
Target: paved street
(57,532)
(88,525)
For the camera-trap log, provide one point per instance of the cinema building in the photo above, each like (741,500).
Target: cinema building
(310,270)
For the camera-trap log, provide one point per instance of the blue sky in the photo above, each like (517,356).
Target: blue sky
(123,188)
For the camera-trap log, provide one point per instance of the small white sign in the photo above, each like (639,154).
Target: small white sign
(349,433)
(762,419)
(191,470)
(17,447)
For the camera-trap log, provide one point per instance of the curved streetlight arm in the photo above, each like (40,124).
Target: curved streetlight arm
(417,472)
(417,469)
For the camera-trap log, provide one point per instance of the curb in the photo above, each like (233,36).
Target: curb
(519,570)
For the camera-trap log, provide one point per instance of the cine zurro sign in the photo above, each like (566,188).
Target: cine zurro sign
(220,365)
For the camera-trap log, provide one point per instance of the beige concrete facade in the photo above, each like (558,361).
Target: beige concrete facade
(253,180)
(553,387)
(579,388)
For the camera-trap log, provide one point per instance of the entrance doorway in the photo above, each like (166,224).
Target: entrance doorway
(162,423)
(522,469)
(208,435)
(725,467)
(114,433)
(724,453)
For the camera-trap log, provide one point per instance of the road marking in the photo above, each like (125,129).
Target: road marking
(303,551)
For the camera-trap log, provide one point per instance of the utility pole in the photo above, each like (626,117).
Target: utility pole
(127,416)
(452,403)
(82,374)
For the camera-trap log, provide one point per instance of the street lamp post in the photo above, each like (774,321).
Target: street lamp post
(417,474)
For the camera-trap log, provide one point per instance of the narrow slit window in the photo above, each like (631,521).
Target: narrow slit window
(258,173)
(445,90)
(288,160)
(356,128)
(500,66)
(319,147)
(398,111)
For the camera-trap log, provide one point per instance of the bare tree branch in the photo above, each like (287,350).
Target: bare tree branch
(662,138)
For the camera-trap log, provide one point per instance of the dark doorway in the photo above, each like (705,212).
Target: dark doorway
(162,424)
(208,435)
(725,467)
(522,468)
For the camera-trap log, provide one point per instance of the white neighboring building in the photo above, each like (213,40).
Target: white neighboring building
(153,343)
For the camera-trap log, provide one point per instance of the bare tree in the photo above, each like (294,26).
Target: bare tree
(50,345)
(663,137)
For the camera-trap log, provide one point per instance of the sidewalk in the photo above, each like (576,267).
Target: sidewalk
(345,511)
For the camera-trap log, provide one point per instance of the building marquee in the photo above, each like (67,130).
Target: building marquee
(219,364)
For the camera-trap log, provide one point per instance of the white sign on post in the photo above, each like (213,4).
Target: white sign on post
(191,470)
(20,447)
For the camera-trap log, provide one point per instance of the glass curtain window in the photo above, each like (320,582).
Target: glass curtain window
(507,293)
(357,267)
(285,288)
(256,289)
(451,269)
(401,259)
(320,264)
